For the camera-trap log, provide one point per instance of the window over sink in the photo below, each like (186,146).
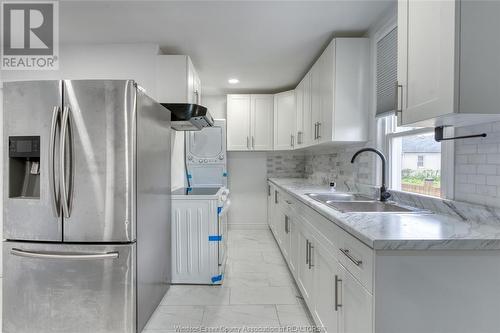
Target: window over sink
(416,160)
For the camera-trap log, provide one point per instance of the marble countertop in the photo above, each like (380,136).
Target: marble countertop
(415,231)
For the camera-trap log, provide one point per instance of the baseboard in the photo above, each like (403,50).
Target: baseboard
(248,226)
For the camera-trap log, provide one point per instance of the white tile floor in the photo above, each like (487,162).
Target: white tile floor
(258,291)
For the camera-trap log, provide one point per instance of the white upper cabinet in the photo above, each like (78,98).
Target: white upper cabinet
(305,138)
(299,114)
(339,93)
(261,122)
(284,120)
(344,91)
(303,117)
(238,122)
(448,71)
(194,84)
(315,101)
(177,80)
(329,106)
(249,122)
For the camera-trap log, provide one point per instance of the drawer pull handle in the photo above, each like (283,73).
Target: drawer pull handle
(348,254)
(307,251)
(311,248)
(337,304)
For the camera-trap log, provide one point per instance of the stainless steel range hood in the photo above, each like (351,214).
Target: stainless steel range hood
(189,117)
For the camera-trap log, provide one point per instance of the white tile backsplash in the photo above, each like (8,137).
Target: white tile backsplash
(477,165)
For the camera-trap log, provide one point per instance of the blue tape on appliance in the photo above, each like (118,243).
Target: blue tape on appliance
(219,209)
(224,174)
(216,238)
(217,278)
(190,176)
(189,189)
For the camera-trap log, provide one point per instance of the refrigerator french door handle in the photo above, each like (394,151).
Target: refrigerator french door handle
(67,256)
(56,198)
(66,191)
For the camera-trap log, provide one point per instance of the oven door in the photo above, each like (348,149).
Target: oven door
(222,225)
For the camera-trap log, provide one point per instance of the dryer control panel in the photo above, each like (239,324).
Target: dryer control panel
(192,159)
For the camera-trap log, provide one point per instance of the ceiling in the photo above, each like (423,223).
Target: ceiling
(267,45)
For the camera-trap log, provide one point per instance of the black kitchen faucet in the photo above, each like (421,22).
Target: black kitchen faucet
(384,194)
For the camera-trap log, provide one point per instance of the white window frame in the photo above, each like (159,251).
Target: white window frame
(387,127)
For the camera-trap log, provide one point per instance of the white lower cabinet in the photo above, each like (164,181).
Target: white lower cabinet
(409,291)
(336,299)
(326,289)
(270,204)
(305,277)
(294,246)
(355,304)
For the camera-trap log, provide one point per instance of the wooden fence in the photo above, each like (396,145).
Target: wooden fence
(427,189)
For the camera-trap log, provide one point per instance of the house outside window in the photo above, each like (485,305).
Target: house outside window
(415,158)
(420,160)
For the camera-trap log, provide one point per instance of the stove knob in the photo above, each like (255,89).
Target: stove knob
(201,161)
(205,161)
(190,157)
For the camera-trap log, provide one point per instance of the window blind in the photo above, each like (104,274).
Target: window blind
(387,68)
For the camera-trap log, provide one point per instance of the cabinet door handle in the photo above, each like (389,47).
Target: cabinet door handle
(197,96)
(275,196)
(307,251)
(268,190)
(315,131)
(293,140)
(299,137)
(348,254)
(319,130)
(398,105)
(286,223)
(337,304)
(311,248)
(253,142)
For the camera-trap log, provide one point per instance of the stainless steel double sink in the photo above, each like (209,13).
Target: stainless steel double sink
(352,203)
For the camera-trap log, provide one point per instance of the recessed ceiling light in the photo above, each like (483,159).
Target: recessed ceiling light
(233,81)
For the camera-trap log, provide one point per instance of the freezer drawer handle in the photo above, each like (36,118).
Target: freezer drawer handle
(70,256)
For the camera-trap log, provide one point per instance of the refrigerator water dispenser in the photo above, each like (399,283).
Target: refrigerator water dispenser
(24,167)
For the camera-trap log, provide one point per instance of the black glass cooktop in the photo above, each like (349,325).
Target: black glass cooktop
(196,191)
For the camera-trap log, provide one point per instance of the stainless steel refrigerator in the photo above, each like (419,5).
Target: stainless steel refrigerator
(86,206)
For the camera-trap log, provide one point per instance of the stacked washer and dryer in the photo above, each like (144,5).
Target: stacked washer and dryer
(199,211)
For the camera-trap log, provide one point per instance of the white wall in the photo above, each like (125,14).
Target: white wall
(216,105)
(100,61)
(248,185)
